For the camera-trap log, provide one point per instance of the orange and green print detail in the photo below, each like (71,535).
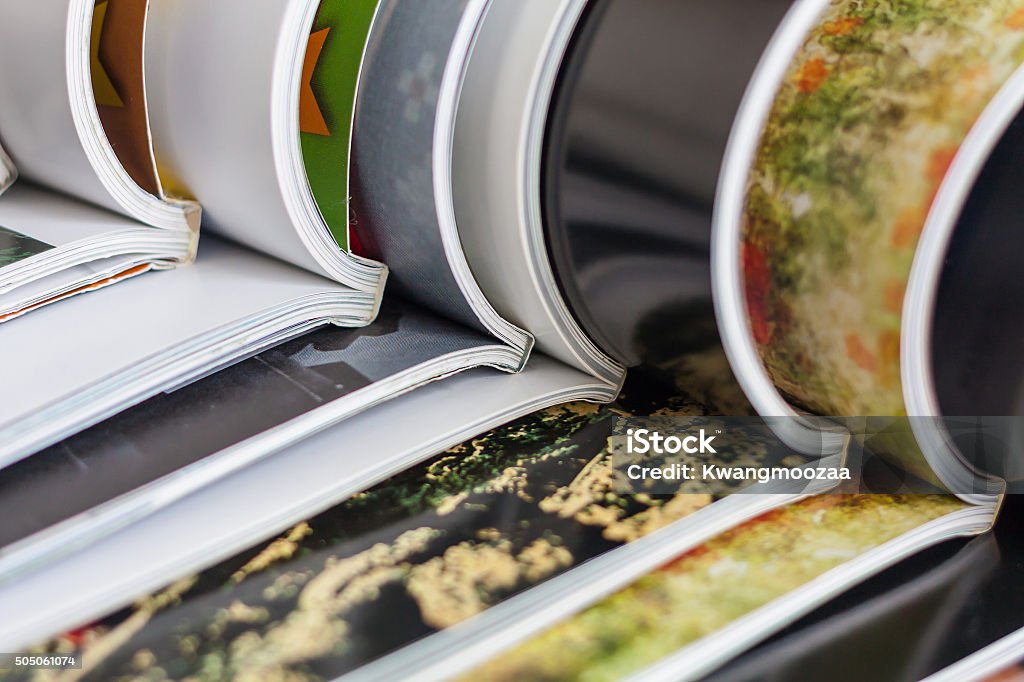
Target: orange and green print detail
(330,73)
(862,131)
(713,585)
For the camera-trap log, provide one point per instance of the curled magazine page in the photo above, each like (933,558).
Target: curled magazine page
(631,157)
(716,584)
(534,497)
(116,68)
(275,493)
(75,121)
(412,79)
(258,130)
(83,378)
(74,115)
(394,150)
(82,486)
(913,613)
(826,279)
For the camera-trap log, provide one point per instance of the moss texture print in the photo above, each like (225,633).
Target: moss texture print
(713,585)
(881,96)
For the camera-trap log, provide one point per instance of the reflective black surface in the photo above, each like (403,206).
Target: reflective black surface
(978,333)
(639,127)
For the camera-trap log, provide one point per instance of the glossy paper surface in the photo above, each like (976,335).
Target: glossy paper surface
(908,622)
(713,585)
(175,430)
(641,117)
(418,553)
(116,51)
(15,246)
(870,115)
(330,73)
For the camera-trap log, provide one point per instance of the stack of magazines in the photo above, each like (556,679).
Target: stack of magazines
(511,339)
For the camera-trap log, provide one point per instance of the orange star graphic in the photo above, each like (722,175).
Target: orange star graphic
(103,89)
(311,118)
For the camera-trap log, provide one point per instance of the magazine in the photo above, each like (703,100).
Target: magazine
(66,125)
(230,514)
(535,491)
(843,320)
(135,341)
(439,322)
(414,228)
(967,461)
(857,242)
(423,214)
